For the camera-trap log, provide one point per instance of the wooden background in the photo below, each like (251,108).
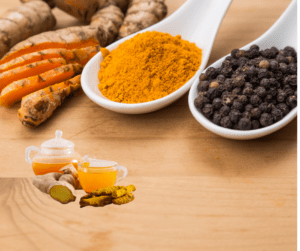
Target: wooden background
(195,190)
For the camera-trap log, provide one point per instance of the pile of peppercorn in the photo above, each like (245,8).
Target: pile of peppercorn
(252,89)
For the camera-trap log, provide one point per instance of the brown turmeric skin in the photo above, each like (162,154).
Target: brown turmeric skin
(147,67)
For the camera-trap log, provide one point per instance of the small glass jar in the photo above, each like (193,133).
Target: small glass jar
(53,155)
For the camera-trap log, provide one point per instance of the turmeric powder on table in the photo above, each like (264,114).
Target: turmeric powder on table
(147,67)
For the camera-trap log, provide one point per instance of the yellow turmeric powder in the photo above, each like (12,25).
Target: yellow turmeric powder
(147,67)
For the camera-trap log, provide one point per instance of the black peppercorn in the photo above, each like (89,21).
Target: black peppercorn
(270,108)
(234,52)
(200,101)
(263,73)
(211,93)
(254,81)
(243,61)
(224,111)
(272,82)
(291,101)
(266,119)
(281,96)
(246,115)
(261,92)
(292,68)
(248,107)
(283,68)
(228,100)
(237,91)
(273,65)
(284,108)
(277,114)
(228,84)
(203,86)
(239,81)
(248,85)
(208,110)
(243,99)
(254,47)
(221,79)
(254,124)
(217,103)
(203,77)
(265,83)
(234,116)
(211,72)
(281,59)
(244,124)
(278,75)
(289,92)
(268,98)
(251,71)
(237,106)
(226,71)
(255,113)
(216,118)
(272,91)
(291,80)
(289,51)
(226,122)
(255,100)
(290,60)
(224,93)
(263,107)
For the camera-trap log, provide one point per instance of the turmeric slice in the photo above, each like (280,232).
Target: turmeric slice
(67,38)
(96,201)
(18,89)
(80,56)
(124,199)
(29,70)
(40,105)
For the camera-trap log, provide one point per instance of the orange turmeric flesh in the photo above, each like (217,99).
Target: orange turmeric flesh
(80,56)
(18,89)
(29,70)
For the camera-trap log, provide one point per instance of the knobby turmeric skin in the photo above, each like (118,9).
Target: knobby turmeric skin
(147,67)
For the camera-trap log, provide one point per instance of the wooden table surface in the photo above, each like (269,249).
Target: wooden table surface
(195,190)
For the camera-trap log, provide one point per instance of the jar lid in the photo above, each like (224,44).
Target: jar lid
(58,142)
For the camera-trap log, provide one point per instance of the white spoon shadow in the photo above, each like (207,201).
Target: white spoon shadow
(283,33)
(196,21)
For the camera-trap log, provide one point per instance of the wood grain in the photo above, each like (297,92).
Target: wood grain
(195,190)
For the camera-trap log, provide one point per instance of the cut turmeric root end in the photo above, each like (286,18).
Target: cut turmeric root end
(18,89)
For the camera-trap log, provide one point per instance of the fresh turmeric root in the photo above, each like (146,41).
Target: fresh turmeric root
(18,89)
(68,38)
(142,14)
(115,194)
(80,56)
(40,105)
(29,70)
(56,186)
(24,21)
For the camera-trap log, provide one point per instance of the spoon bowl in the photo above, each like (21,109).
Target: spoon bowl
(196,21)
(283,33)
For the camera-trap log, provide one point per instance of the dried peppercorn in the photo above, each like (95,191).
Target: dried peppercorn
(264,64)
(291,101)
(248,107)
(273,65)
(266,119)
(281,96)
(224,111)
(277,114)
(255,113)
(202,77)
(217,103)
(208,110)
(237,106)
(265,83)
(217,118)
(234,116)
(254,124)
(226,122)
(284,108)
(259,87)
(255,100)
(214,85)
(261,92)
(244,124)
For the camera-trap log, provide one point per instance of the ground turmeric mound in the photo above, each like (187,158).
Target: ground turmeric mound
(147,67)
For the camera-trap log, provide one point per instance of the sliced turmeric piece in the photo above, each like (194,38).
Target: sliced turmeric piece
(18,89)
(80,56)
(29,70)
(67,38)
(39,106)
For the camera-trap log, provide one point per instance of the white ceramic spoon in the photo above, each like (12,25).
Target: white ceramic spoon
(196,21)
(283,33)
